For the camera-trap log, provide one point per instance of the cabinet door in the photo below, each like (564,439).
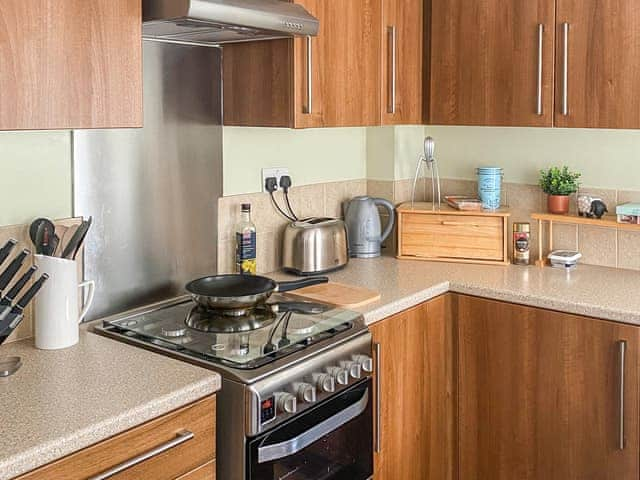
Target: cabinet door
(539,394)
(414,437)
(602,41)
(70,64)
(402,61)
(344,61)
(492,62)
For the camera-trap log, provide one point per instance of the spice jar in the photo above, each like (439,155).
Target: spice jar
(521,243)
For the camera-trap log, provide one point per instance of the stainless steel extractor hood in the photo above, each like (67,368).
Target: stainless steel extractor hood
(215,22)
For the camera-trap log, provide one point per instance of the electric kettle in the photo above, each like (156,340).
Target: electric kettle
(364,229)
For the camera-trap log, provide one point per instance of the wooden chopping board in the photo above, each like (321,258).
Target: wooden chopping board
(339,294)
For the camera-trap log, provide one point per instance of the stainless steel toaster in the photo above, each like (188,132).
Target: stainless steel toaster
(315,245)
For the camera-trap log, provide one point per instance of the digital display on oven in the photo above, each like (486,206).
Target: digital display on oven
(267,410)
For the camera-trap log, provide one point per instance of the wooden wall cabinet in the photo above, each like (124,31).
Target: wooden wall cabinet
(492,62)
(414,439)
(602,40)
(343,77)
(70,64)
(539,394)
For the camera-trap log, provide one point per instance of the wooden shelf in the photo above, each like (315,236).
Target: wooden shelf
(608,221)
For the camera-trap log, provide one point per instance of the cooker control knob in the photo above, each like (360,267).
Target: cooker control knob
(306,392)
(366,362)
(340,375)
(324,382)
(353,368)
(286,402)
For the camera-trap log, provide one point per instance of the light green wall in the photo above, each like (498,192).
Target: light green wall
(312,156)
(606,158)
(35,176)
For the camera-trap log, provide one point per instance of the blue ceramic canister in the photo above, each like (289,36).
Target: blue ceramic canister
(490,187)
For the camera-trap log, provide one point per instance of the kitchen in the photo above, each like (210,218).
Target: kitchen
(161,137)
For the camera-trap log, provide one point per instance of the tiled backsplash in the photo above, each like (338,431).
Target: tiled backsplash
(599,246)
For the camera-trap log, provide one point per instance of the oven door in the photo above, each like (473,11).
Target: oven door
(332,441)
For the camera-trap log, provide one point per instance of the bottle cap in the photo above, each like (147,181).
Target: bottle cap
(246,207)
(521,227)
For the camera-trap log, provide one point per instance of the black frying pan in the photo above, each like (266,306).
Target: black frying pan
(238,292)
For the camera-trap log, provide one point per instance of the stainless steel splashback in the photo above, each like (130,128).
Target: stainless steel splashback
(153,192)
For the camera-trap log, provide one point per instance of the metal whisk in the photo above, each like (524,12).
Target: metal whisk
(428,158)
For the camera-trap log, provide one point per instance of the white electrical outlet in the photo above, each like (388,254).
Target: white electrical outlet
(273,172)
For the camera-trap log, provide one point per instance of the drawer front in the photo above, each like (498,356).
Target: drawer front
(452,236)
(205,472)
(187,455)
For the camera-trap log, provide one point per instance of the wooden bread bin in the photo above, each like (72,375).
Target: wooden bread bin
(450,235)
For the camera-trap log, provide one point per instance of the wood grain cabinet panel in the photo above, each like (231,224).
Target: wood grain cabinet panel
(267,83)
(182,461)
(70,64)
(539,394)
(402,61)
(603,71)
(416,398)
(487,64)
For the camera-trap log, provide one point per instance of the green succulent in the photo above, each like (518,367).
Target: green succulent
(559,181)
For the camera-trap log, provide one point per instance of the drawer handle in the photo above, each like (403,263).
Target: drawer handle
(459,224)
(180,438)
(622,345)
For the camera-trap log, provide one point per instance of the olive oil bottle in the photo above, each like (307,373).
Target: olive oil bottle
(246,242)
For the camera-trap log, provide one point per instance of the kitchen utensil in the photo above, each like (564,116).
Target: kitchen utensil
(428,158)
(42,232)
(315,245)
(33,228)
(11,270)
(7,300)
(339,294)
(237,293)
(11,321)
(9,365)
(5,251)
(76,241)
(364,226)
(65,234)
(57,312)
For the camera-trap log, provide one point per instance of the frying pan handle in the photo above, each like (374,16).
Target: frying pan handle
(304,308)
(304,282)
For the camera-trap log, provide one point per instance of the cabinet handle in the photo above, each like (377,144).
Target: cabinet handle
(622,344)
(565,69)
(393,50)
(539,109)
(309,107)
(180,438)
(378,442)
(459,224)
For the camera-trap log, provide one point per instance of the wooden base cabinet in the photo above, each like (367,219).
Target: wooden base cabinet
(414,434)
(544,395)
(177,446)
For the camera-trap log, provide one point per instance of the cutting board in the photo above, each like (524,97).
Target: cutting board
(339,294)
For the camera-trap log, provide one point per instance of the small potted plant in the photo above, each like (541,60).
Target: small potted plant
(558,184)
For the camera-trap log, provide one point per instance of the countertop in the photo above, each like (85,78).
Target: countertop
(600,292)
(64,400)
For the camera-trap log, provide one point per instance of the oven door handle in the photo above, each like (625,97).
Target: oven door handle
(280,450)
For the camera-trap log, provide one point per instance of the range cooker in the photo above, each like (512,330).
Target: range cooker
(296,397)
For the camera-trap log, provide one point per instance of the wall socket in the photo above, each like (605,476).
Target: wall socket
(273,172)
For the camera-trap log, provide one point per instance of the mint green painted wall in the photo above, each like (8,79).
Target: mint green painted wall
(312,156)
(36,176)
(606,158)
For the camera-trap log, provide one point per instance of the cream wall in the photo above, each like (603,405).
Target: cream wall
(312,156)
(35,175)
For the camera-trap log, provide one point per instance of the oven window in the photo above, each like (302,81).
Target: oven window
(333,441)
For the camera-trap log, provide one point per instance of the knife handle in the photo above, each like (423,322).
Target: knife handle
(6,249)
(27,297)
(12,269)
(19,285)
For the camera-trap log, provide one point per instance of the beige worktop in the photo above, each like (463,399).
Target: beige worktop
(599,292)
(62,401)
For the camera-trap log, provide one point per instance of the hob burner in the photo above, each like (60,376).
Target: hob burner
(211,321)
